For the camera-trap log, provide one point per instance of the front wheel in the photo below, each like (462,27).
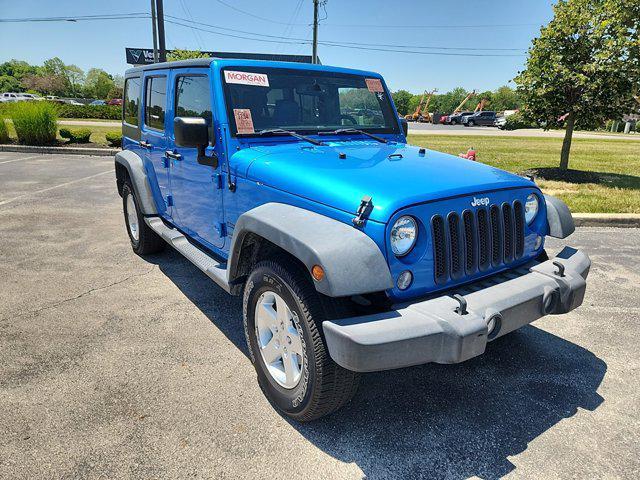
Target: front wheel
(471,123)
(283,317)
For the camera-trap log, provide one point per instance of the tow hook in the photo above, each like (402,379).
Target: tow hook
(461,309)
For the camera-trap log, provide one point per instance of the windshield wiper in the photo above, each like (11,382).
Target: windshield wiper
(277,131)
(355,130)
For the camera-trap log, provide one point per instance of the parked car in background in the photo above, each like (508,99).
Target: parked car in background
(30,96)
(486,119)
(70,101)
(501,122)
(115,101)
(98,102)
(456,118)
(9,97)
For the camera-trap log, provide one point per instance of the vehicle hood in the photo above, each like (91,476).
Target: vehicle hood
(395,175)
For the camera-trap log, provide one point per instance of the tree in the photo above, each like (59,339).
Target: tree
(179,54)
(9,84)
(505,98)
(98,83)
(48,84)
(17,69)
(402,98)
(447,102)
(581,69)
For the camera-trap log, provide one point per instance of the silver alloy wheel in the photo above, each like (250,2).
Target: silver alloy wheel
(279,340)
(132,217)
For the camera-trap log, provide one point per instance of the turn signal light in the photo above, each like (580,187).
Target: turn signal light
(317,272)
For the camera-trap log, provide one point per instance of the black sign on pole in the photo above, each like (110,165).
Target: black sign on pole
(144,56)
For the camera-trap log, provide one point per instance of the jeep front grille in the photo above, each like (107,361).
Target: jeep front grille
(477,240)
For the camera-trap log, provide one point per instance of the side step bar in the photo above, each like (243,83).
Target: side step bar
(214,270)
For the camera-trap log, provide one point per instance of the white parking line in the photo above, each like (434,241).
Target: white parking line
(21,158)
(4,202)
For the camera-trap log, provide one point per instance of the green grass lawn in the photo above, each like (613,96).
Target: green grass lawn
(615,189)
(97,132)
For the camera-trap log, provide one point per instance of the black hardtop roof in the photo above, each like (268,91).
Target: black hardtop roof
(194,62)
(205,62)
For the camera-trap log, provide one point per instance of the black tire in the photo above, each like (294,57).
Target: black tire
(454,122)
(324,386)
(148,241)
(471,123)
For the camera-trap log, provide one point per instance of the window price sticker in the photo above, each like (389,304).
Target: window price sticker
(244,122)
(374,85)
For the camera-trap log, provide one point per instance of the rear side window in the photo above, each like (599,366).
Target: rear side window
(155,102)
(193,97)
(131,100)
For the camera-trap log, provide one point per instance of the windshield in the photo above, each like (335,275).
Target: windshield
(305,101)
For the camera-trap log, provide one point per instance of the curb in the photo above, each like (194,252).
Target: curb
(101,152)
(619,220)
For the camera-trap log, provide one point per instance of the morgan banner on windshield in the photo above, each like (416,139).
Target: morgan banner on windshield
(246,78)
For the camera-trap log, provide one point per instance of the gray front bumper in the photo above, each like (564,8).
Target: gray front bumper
(432,330)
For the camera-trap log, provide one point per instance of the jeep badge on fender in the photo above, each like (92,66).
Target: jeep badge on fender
(350,251)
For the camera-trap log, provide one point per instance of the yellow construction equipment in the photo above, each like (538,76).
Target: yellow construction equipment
(412,117)
(462,103)
(425,116)
(480,105)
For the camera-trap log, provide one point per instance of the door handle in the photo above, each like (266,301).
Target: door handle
(144,144)
(173,155)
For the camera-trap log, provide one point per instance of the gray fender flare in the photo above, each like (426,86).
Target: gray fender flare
(134,165)
(352,262)
(559,217)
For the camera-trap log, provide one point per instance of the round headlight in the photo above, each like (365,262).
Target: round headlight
(403,235)
(531,207)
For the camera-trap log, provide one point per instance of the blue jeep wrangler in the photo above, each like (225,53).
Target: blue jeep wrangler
(293,186)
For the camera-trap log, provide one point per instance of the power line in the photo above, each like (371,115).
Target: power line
(77,18)
(346,25)
(503,25)
(232,7)
(196,34)
(297,41)
(380,47)
(288,30)
(340,43)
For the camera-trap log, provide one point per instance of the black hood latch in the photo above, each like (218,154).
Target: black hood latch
(363,211)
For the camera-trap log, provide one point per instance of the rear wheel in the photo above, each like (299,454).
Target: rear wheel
(471,123)
(144,240)
(283,317)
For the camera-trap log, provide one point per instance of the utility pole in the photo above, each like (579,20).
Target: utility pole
(314,56)
(155,31)
(163,46)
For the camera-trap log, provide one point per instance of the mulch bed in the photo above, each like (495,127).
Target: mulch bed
(571,176)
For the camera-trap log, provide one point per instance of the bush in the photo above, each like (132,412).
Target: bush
(4,133)
(81,135)
(35,122)
(114,139)
(104,112)
(517,121)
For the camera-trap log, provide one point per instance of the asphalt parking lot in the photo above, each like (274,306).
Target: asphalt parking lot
(114,366)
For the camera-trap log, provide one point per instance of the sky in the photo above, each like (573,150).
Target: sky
(481,44)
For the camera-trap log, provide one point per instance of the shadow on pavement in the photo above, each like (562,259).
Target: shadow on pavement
(436,421)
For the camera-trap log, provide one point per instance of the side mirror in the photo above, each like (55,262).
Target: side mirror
(405,126)
(191,132)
